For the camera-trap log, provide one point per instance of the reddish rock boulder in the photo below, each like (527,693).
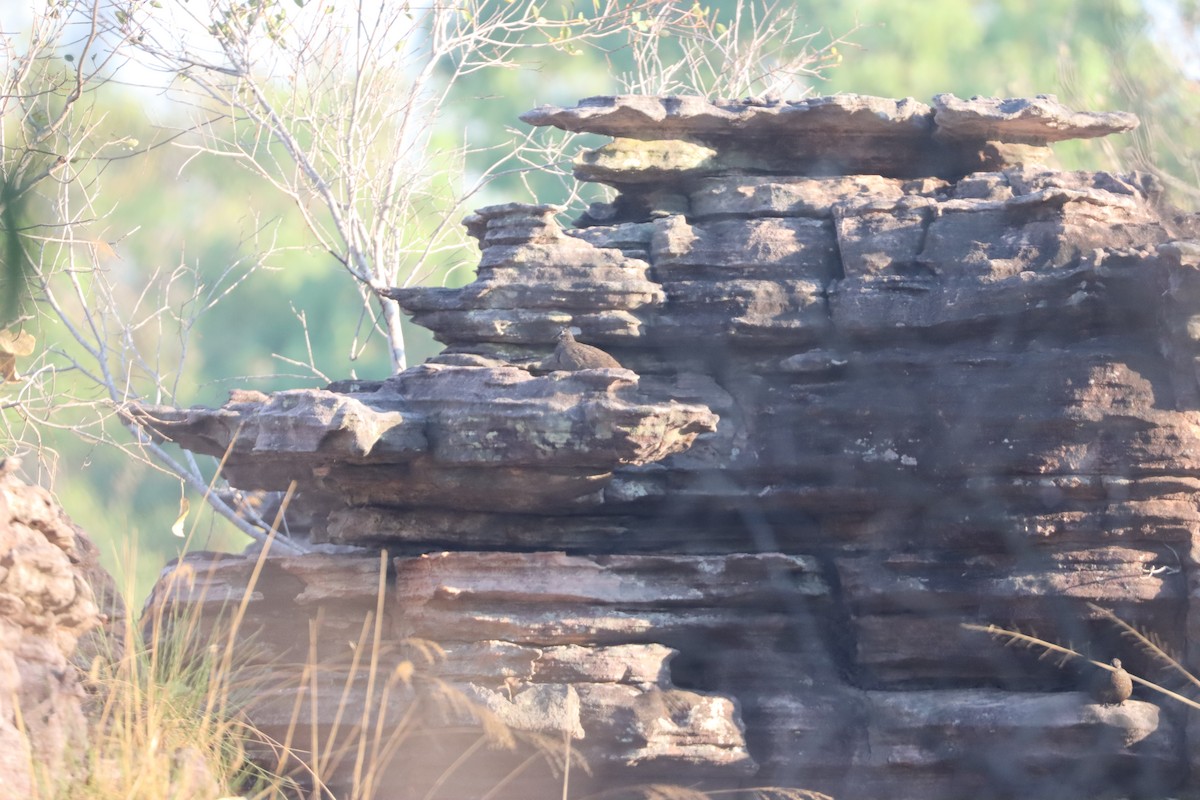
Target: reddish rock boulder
(51,592)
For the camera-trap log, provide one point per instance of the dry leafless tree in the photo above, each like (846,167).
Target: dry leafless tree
(340,106)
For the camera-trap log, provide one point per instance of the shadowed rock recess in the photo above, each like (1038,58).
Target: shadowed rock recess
(886,372)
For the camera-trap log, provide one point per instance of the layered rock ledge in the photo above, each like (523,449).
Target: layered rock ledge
(438,436)
(849,134)
(888,371)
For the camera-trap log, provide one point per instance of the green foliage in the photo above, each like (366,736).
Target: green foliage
(1094,54)
(12,253)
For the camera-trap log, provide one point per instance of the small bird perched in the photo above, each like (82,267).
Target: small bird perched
(571,355)
(1112,688)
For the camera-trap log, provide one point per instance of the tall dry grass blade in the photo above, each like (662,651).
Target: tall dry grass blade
(1148,644)
(671,791)
(558,759)
(362,783)
(1026,640)
(566,781)
(208,490)
(401,732)
(463,757)
(654,791)
(333,752)
(285,751)
(240,615)
(430,651)
(36,775)
(446,696)
(183,571)
(780,793)
(512,775)
(385,745)
(309,677)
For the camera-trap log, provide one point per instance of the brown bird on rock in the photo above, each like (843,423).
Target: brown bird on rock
(571,355)
(1113,688)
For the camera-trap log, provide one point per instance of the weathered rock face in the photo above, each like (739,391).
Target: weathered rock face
(887,373)
(47,572)
(482,436)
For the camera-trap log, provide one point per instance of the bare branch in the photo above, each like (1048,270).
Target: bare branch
(347,111)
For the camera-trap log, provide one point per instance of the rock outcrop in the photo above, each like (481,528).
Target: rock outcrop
(48,569)
(887,372)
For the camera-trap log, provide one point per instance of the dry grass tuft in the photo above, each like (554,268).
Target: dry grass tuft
(164,719)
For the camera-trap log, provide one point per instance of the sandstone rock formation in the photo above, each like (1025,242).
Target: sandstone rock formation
(887,372)
(47,572)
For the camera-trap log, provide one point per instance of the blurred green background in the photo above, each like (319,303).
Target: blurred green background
(167,207)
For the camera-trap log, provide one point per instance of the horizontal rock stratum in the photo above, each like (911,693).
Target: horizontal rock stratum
(887,371)
(661,137)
